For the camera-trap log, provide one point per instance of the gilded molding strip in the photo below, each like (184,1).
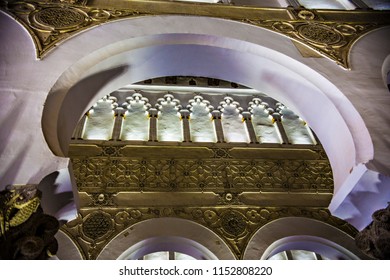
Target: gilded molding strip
(331,34)
(216,169)
(96,227)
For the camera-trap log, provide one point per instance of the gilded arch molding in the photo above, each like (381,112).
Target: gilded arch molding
(329,33)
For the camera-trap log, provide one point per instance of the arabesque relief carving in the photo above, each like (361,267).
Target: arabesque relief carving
(331,39)
(235,224)
(51,22)
(112,173)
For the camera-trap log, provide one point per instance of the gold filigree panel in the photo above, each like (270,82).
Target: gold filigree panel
(330,33)
(95,228)
(220,173)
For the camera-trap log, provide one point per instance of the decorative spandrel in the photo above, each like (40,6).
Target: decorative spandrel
(330,39)
(95,228)
(52,22)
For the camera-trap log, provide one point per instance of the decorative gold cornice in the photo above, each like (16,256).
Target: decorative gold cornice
(328,32)
(96,227)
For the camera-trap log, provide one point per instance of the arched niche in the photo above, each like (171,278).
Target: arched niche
(297,233)
(179,234)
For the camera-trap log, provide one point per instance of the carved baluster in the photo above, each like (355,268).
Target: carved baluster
(218,125)
(116,131)
(78,131)
(282,131)
(289,255)
(153,124)
(248,121)
(185,116)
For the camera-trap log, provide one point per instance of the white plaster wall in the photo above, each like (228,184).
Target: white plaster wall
(24,84)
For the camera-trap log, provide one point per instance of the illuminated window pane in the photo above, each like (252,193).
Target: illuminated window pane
(181,256)
(100,120)
(234,128)
(262,3)
(303,255)
(327,4)
(157,256)
(135,125)
(265,129)
(169,123)
(279,256)
(201,124)
(378,4)
(298,132)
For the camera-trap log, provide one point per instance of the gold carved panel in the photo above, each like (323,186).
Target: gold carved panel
(96,227)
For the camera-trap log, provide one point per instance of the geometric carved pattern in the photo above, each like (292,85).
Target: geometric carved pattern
(114,174)
(96,225)
(331,39)
(235,225)
(105,171)
(50,23)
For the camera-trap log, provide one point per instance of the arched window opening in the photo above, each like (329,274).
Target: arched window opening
(263,123)
(328,4)
(296,129)
(169,123)
(135,124)
(167,255)
(99,122)
(167,248)
(202,127)
(234,128)
(297,255)
(306,247)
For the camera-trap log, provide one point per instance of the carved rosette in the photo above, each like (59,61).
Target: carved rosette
(97,225)
(58,19)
